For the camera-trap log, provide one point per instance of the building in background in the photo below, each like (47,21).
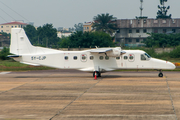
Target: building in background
(132,32)
(87,26)
(63,34)
(61,31)
(6,27)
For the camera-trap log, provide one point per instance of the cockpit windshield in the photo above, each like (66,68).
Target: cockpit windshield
(148,56)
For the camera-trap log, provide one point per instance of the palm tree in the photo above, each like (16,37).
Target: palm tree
(105,23)
(162,12)
(162,2)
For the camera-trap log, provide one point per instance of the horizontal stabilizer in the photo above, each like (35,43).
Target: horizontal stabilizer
(13,56)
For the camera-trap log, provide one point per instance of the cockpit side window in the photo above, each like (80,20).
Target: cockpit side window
(143,57)
(148,56)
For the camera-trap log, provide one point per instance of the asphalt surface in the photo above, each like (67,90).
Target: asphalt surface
(75,95)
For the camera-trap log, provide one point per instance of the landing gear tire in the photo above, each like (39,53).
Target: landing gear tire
(93,74)
(160,74)
(98,74)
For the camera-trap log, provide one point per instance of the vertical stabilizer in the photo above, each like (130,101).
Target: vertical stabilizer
(20,44)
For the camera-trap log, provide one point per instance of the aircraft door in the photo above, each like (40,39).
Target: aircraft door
(128,60)
(124,60)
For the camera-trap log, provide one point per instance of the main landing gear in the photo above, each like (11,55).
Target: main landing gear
(160,73)
(98,74)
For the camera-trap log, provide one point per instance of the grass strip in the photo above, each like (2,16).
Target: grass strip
(10,65)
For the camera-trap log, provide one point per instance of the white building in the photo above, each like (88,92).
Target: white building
(65,34)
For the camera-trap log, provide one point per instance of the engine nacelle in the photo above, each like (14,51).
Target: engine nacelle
(116,52)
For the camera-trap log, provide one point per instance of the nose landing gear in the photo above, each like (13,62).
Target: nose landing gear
(160,73)
(98,74)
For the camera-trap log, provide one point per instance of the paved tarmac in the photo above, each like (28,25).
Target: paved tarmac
(75,95)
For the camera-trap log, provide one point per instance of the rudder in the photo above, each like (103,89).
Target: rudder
(20,43)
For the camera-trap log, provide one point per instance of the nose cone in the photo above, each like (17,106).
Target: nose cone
(170,65)
(161,64)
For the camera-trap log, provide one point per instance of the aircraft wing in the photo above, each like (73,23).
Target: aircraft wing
(111,52)
(101,50)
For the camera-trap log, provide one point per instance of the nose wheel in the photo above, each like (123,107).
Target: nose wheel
(160,74)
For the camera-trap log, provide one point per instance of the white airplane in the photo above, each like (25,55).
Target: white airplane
(97,60)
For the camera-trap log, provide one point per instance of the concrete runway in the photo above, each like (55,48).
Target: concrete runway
(74,95)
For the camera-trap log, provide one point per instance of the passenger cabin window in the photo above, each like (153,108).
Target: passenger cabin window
(107,58)
(66,57)
(117,58)
(131,57)
(83,57)
(125,57)
(91,57)
(101,57)
(75,57)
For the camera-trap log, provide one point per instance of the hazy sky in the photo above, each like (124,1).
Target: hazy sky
(66,13)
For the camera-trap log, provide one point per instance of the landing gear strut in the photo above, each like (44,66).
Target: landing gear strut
(98,74)
(160,73)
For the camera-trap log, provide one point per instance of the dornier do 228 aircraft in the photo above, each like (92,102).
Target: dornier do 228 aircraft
(97,60)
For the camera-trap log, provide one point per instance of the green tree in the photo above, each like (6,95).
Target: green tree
(4,53)
(162,12)
(79,27)
(43,36)
(162,2)
(64,42)
(47,35)
(5,34)
(175,53)
(162,40)
(105,22)
(31,32)
(87,39)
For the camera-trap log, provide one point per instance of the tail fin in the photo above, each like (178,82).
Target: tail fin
(20,43)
